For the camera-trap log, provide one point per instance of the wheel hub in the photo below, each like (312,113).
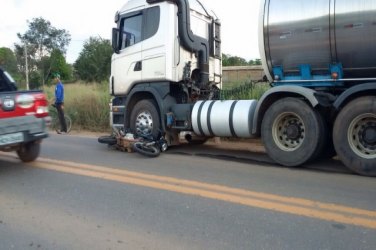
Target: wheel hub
(369,135)
(362,136)
(288,131)
(293,131)
(144,123)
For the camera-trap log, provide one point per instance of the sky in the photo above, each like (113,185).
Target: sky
(84,19)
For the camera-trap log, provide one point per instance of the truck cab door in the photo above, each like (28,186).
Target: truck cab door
(126,64)
(156,40)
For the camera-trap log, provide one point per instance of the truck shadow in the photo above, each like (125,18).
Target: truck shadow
(257,156)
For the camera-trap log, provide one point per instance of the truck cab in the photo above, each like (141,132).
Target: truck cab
(166,53)
(150,46)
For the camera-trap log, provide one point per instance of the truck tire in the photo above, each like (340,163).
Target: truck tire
(144,119)
(29,152)
(292,132)
(354,135)
(325,148)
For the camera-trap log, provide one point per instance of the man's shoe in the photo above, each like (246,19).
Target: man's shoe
(61,132)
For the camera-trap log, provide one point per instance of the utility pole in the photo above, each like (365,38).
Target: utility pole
(26,68)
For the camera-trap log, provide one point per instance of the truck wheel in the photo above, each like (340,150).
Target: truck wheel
(291,132)
(354,135)
(29,151)
(145,119)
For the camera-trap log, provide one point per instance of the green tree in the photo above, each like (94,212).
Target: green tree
(225,61)
(229,60)
(41,39)
(8,61)
(57,63)
(94,61)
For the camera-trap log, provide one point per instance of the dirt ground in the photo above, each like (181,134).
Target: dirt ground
(253,145)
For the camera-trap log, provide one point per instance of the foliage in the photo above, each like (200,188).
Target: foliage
(229,60)
(94,62)
(8,62)
(245,91)
(56,64)
(41,39)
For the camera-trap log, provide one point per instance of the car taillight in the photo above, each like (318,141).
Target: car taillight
(41,108)
(32,104)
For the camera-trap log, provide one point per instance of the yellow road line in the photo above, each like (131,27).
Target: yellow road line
(290,205)
(218,188)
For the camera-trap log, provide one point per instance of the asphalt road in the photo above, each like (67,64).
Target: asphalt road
(82,195)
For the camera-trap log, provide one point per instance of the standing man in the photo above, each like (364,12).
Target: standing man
(59,103)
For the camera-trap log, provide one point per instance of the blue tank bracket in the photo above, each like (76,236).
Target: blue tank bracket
(336,69)
(305,71)
(170,119)
(278,73)
(306,78)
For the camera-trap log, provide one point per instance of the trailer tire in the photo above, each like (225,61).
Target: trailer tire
(329,151)
(144,119)
(325,148)
(29,152)
(292,131)
(354,135)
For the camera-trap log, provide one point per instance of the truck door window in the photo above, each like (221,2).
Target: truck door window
(139,26)
(131,28)
(151,22)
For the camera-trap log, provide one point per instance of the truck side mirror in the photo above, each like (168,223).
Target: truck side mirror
(115,40)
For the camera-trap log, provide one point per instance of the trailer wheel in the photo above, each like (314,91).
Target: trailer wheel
(144,119)
(325,148)
(292,132)
(29,152)
(354,135)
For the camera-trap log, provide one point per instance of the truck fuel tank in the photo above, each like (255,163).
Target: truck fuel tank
(231,118)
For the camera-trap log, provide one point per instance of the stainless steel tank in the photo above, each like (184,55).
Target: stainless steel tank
(320,32)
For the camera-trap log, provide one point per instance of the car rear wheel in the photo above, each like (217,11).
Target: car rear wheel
(29,152)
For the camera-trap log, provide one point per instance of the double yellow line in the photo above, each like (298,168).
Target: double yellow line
(290,205)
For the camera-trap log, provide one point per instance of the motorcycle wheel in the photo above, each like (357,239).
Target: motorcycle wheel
(146,150)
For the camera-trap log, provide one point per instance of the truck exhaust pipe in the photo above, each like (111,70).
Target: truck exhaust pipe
(190,41)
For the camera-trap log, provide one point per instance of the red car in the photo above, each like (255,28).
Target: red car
(23,119)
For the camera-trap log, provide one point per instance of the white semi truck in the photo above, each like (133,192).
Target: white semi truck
(166,75)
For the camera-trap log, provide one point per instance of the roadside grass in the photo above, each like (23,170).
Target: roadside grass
(243,91)
(86,104)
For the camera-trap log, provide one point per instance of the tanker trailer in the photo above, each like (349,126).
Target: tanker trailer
(320,56)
